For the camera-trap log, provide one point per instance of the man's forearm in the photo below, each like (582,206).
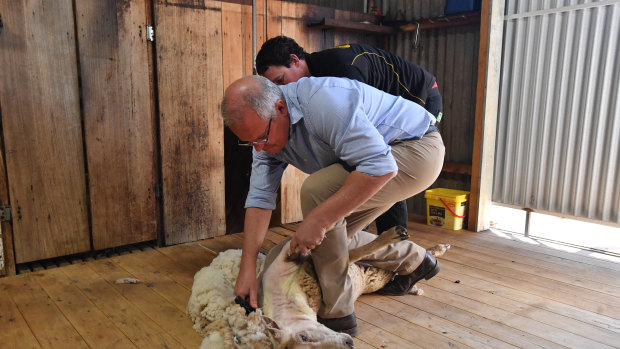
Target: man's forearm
(255,229)
(355,191)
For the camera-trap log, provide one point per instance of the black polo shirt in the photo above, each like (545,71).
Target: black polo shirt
(374,67)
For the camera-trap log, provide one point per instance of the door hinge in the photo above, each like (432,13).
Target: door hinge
(5,213)
(150,33)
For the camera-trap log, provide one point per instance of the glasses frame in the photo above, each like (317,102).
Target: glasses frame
(262,141)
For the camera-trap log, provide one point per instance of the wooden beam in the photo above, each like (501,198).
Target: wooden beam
(441,22)
(453,167)
(330,23)
(489,65)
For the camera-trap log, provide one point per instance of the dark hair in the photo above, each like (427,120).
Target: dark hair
(277,51)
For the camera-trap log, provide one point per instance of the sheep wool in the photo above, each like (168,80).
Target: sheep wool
(212,308)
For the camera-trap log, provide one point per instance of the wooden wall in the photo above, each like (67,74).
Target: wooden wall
(42,129)
(109,139)
(119,120)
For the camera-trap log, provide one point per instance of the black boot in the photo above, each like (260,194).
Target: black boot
(402,284)
(346,324)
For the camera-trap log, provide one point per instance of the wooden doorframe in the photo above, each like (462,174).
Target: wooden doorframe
(487,100)
(6,228)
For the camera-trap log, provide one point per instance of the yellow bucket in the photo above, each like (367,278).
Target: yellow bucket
(446,208)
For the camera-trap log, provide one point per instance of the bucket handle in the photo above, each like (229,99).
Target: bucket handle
(451,211)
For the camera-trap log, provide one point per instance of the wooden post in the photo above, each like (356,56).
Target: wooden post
(489,66)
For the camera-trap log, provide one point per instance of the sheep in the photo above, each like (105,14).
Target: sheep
(290,300)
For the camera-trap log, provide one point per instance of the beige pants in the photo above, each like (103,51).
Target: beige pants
(419,164)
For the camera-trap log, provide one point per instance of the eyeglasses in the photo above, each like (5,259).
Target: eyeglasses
(262,141)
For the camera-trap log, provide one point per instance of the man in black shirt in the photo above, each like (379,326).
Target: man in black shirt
(282,60)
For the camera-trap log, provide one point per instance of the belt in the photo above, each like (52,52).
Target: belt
(431,128)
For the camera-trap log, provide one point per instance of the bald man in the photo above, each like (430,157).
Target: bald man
(364,150)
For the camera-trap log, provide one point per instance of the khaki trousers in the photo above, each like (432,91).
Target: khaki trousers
(419,164)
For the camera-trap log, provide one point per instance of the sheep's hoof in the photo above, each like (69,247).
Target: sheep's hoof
(297,257)
(402,232)
(416,291)
(439,250)
(397,233)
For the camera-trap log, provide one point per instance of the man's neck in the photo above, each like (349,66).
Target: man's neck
(304,66)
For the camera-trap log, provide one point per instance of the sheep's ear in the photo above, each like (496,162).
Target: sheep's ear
(270,324)
(275,333)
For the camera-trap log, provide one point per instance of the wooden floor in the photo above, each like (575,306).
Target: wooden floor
(492,292)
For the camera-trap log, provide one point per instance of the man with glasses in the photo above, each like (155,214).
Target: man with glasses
(364,150)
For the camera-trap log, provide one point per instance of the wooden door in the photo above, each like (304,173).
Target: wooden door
(42,129)
(119,120)
(189,76)
(237,55)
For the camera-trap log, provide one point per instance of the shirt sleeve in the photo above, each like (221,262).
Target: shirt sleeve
(264,181)
(337,117)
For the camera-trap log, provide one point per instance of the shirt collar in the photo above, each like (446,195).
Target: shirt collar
(292,101)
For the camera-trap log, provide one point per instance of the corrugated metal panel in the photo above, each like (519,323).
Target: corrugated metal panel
(558,148)
(451,54)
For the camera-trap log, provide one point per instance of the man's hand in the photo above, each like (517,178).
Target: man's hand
(247,286)
(307,237)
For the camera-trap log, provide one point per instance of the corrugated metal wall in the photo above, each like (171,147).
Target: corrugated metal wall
(451,54)
(558,145)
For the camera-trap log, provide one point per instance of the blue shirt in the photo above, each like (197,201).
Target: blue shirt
(336,120)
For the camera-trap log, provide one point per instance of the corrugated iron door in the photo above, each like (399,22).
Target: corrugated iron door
(558,145)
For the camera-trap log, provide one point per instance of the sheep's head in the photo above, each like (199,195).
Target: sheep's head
(320,337)
(311,335)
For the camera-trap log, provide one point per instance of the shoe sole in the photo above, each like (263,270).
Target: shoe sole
(351,331)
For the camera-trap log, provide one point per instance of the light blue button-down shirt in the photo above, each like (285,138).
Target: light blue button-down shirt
(336,120)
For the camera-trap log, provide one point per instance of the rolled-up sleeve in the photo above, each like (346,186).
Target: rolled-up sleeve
(264,181)
(349,132)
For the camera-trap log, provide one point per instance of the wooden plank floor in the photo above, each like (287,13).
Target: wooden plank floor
(492,292)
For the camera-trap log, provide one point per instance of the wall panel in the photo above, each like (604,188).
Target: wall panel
(558,149)
(189,73)
(119,120)
(42,129)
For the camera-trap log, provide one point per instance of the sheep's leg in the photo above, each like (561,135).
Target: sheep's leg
(388,237)
(438,250)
